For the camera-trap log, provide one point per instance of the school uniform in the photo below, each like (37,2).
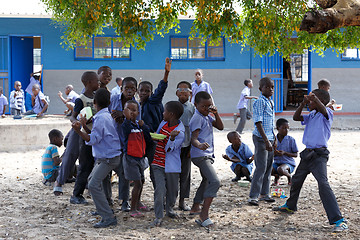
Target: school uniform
(203,86)
(242,154)
(242,107)
(17,103)
(288,144)
(3,102)
(38,104)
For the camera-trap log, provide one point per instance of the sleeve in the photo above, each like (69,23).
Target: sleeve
(159,92)
(96,133)
(12,99)
(54,152)
(113,102)
(248,152)
(306,119)
(330,113)
(146,131)
(126,129)
(179,139)
(258,110)
(5,101)
(78,105)
(41,96)
(195,123)
(210,91)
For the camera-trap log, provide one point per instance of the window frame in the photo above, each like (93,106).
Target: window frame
(206,58)
(351,58)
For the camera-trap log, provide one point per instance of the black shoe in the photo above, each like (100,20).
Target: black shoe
(125,207)
(95,213)
(106,223)
(78,200)
(248,179)
(253,202)
(172,215)
(70,180)
(237,178)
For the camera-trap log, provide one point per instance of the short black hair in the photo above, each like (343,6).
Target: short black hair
(323,83)
(132,101)
(280,122)
(54,133)
(86,76)
(129,79)
(175,107)
(202,95)
(146,83)
(247,81)
(264,81)
(103,68)
(323,95)
(118,79)
(231,134)
(102,97)
(184,82)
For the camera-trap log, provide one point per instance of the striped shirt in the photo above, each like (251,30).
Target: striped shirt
(47,164)
(263,111)
(159,156)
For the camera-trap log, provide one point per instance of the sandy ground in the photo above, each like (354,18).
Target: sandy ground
(29,210)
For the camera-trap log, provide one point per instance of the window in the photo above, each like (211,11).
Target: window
(300,66)
(102,48)
(184,48)
(351,54)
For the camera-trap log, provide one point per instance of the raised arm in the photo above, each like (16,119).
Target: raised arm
(218,122)
(167,69)
(319,105)
(297,115)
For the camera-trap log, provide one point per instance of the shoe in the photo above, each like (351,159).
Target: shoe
(106,223)
(341,226)
(206,223)
(184,207)
(284,208)
(267,199)
(70,180)
(95,213)
(253,202)
(237,178)
(78,200)
(125,207)
(172,215)
(248,179)
(157,222)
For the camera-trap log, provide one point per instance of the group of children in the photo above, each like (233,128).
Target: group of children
(127,136)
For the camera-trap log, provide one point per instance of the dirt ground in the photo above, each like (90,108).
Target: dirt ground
(29,210)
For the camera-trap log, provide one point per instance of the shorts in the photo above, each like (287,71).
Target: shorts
(276,165)
(134,167)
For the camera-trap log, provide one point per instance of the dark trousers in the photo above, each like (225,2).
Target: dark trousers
(124,185)
(185,172)
(314,161)
(149,153)
(86,164)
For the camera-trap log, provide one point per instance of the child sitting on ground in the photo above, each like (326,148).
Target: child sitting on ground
(69,102)
(38,102)
(315,156)
(240,154)
(17,100)
(106,150)
(167,162)
(3,103)
(286,149)
(136,136)
(51,158)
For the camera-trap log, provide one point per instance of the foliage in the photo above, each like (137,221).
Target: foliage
(265,25)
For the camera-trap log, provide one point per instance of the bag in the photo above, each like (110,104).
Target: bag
(47,100)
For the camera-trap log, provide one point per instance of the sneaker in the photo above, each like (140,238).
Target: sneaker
(340,226)
(284,208)
(78,200)
(106,223)
(236,179)
(267,199)
(125,207)
(253,202)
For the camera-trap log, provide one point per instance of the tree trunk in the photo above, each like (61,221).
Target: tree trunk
(343,13)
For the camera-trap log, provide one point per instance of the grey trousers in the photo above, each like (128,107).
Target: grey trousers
(242,121)
(124,185)
(100,172)
(185,172)
(167,185)
(260,183)
(314,161)
(210,183)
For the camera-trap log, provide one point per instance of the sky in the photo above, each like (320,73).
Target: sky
(19,7)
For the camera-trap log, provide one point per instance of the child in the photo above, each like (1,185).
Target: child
(117,90)
(69,102)
(105,76)
(314,158)
(264,140)
(199,85)
(240,154)
(51,158)
(17,100)
(34,79)
(242,105)
(38,102)
(202,154)
(324,84)
(285,152)
(128,88)
(106,149)
(3,103)
(136,135)
(167,162)
(183,93)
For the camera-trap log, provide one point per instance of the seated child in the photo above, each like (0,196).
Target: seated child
(69,102)
(284,153)
(51,158)
(105,149)
(3,103)
(136,136)
(17,100)
(38,102)
(167,162)
(240,154)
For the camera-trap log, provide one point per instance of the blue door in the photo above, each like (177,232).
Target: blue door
(272,66)
(4,67)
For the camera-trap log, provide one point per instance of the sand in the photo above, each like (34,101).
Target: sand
(29,210)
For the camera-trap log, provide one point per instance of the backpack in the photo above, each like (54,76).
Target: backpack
(47,99)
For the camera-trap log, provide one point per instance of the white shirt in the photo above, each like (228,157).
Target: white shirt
(243,102)
(72,96)
(195,88)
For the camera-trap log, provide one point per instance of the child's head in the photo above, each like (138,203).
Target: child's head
(183,91)
(105,75)
(119,81)
(282,125)
(68,89)
(266,87)
(101,98)
(36,89)
(248,83)
(145,90)
(90,80)
(131,110)
(129,87)
(17,85)
(173,110)
(1,90)
(56,137)
(198,74)
(203,102)
(234,138)
(322,95)
(324,84)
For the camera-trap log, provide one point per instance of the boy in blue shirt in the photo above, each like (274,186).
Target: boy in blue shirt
(264,139)
(106,150)
(286,149)
(315,156)
(240,155)
(202,154)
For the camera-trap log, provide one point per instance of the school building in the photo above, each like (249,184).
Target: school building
(27,42)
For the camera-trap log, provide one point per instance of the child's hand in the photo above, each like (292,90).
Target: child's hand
(168,64)
(118,116)
(82,120)
(203,146)
(269,146)
(60,94)
(76,126)
(311,96)
(173,134)
(226,157)
(213,109)
(141,123)
(279,152)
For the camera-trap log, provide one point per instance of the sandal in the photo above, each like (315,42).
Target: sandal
(144,208)
(206,223)
(136,214)
(58,191)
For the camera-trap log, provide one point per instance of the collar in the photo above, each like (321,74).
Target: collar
(102,111)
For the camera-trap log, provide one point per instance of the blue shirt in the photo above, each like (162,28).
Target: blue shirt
(173,149)
(103,137)
(317,129)
(203,86)
(152,109)
(243,154)
(39,105)
(263,111)
(3,102)
(204,123)
(47,163)
(185,118)
(288,144)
